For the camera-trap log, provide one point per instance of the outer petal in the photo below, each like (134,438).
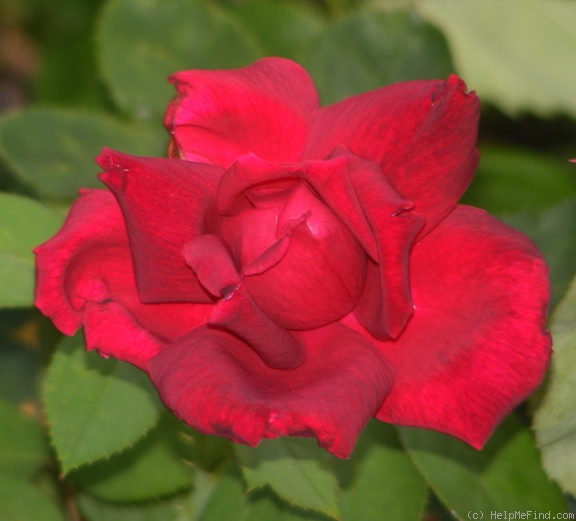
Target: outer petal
(93,221)
(476,345)
(264,108)
(217,384)
(85,277)
(166,203)
(423,134)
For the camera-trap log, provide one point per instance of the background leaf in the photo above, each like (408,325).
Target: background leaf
(281,28)
(367,50)
(95,510)
(23,448)
(518,54)
(133,475)
(510,180)
(555,421)
(163,38)
(505,476)
(380,481)
(21,501)
(553,230)
(24,224)
(229,496)
(95,406)
(296,469)
(65,144)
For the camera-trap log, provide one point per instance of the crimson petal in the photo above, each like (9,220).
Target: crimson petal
(264,108)
(476,345)
(382,221)
(94,221)
(165,203)
(218,385)
(423,134)
(85,277)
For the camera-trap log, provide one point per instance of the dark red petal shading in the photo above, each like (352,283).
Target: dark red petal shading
(166,203)
(476,345)
(423,134)
(264,108)
(85,277)
(218,385)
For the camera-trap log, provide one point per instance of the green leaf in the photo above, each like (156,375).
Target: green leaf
(151,469)
(65,52)
(263,505)
(95,510)
(95,406)
(380,481)
(22,446)
(24,224)
(296,469)
(21,501)
(142,43)
(54,150)
(367,50)
(518,54)
(555,422)
(505,476)
(513,180)
(183,507)
(282,28)
(553,231)
(229,496)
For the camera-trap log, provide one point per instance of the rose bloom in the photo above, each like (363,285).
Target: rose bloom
(297,270)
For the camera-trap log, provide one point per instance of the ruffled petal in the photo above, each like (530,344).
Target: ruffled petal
(85,278)
(423,134)
(476,345)
(386,302)
(94,221)
(264,108)
(218,385)
(166,203)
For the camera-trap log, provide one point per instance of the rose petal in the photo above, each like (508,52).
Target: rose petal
(94,219)
(423,134)
(386,303)
(165,203)
(360,195)
(237,312)
(240,315)
(218,385)
(476,345)
(320,276)
(209,259)
(264,108)
(85,277)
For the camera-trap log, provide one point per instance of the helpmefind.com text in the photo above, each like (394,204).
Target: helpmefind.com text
(517,514)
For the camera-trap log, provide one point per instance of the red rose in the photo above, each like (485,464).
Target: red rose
(296,270)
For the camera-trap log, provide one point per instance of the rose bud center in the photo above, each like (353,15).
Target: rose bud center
(300,262)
